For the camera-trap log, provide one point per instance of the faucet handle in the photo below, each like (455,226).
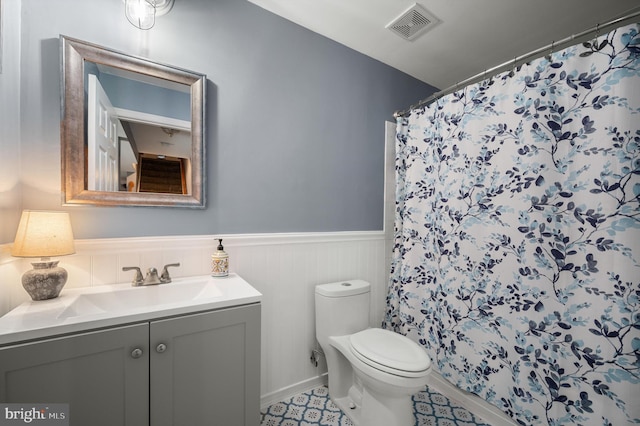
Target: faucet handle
(164,277)
(137,280)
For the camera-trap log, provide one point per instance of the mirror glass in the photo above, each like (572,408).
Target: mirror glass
(132,130)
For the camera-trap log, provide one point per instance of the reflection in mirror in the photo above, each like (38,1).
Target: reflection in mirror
(132,130)
(151,119)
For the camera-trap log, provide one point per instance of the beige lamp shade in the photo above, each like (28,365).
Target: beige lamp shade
(43,234)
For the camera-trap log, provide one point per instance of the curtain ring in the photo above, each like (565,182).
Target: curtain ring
(513,68)
(548,57)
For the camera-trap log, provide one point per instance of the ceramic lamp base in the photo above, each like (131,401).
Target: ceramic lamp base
(45,280)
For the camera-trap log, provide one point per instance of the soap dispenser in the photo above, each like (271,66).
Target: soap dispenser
(220,261)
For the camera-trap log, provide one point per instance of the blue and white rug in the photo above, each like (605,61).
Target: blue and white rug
(315,408)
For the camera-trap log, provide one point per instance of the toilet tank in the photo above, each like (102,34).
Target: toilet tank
(341,308)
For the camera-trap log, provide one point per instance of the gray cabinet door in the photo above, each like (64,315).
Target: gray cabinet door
(94,373)
(208,371)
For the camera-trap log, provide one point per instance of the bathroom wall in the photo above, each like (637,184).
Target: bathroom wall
(10,194)
(295,158)
(295,121)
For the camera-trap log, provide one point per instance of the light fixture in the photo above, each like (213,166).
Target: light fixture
(142,13)
(44,234)
(170,131)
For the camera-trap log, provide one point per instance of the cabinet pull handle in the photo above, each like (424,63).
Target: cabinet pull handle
(161,348)
(136,353)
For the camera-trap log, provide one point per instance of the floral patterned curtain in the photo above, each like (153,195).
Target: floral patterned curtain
(517,246)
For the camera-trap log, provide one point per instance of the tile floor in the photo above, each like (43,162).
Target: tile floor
(315,408)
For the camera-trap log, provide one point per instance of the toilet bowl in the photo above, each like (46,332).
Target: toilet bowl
(373,373)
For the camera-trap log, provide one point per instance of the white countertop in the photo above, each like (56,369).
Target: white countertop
(87,308)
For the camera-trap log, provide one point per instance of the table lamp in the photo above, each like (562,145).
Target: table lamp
(44,234)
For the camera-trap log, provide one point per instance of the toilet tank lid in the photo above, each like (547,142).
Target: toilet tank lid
(343,288)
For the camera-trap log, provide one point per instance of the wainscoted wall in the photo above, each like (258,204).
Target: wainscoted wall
(283,267)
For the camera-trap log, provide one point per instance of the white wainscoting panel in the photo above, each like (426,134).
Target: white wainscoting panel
(285,268)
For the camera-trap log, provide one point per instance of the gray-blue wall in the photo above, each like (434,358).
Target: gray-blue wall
(295,121)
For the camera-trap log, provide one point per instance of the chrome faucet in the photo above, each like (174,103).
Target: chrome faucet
(152,277)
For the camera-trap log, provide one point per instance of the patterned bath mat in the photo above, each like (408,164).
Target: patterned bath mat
(315,408)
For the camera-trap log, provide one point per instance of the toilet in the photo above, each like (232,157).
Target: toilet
(373,373)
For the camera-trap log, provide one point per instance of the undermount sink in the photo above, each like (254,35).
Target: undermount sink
(133,298)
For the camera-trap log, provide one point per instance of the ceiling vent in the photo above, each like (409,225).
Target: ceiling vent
(414,22)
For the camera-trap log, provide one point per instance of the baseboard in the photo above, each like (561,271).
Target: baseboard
(290,391)
(489,413)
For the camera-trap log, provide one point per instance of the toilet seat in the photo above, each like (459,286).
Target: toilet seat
(390,352)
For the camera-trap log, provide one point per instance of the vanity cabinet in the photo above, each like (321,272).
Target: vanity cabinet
(93,372)
(196,369)
(205,369)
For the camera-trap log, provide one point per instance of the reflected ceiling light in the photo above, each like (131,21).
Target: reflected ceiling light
(142,13)
(169,131)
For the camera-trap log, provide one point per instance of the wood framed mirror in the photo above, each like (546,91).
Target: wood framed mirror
(132,130)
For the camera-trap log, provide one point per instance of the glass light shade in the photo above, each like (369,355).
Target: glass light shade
(141,13)
(43,234)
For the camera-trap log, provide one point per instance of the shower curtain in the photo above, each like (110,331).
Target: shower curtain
(516,260)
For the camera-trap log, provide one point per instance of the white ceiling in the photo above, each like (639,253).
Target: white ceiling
(473,35)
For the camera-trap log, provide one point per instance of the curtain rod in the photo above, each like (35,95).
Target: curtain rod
(519,60)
